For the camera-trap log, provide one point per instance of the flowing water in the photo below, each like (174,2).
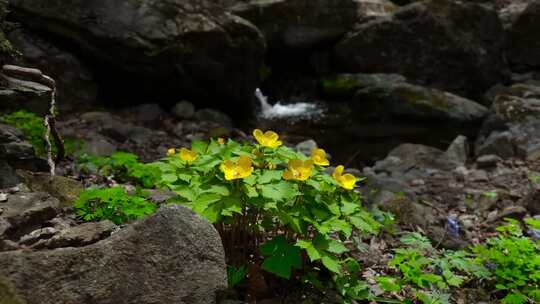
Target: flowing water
(349,140)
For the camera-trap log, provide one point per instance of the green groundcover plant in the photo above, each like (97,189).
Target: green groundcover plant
(34,130)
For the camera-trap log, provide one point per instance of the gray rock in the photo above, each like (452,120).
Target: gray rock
(18,93)
(165,49)
(183,110)
(306,147)
(148,112)
(304,24)
(99,145)
(37,235)
(78,236)
(498,143)
(383,95)
(26,212)
(428,42)
(174,256)
(515,212)
(477,176)
(488,161)
(458,151)
(214,116)
(8,176)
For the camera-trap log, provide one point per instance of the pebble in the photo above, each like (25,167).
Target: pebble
(3,197)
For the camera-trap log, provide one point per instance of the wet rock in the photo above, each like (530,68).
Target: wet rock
(522,48)
(77,89)
(431,43)
(174,256)
(304,24)
(488,161)
(183,110)
(168,49)
(390,95)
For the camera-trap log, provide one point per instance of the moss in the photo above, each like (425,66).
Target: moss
(340,86)
(426,100)
(8,295)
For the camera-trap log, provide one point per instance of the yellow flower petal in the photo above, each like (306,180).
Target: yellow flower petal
(268,139)
(319,157)
(288,175)
(348,181)
(187,155)
(171,152)
(338,171)
(236,170)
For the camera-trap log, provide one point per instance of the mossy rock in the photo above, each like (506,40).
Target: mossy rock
(65,189)
(8,294)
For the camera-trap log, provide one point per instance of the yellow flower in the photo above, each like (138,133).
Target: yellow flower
(171,152)
(239,169)
(188,155)
(347,181)
(319,157)
(268,139)
(221,141)
(298,170)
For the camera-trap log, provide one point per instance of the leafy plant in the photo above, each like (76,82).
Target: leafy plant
(34,130)
(513,263)
(235,275)
(122,165)
(31,125)
(271,204)
(429,272)
(114,204)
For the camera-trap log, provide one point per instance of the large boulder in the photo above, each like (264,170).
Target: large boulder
(300,24)
(392,96)
(76,86)
(446,44)
(165,49)
(174,256)
(523,46)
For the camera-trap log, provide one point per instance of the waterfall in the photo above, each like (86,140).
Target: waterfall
(299,110)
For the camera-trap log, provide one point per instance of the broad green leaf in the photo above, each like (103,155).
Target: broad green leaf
(279,191)
(331,263)
(269,176)
(281,257)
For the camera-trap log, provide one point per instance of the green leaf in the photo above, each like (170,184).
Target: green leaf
(269,176)
(199,146)
(388,284)
(331,263)
(279,191)
(281,257)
